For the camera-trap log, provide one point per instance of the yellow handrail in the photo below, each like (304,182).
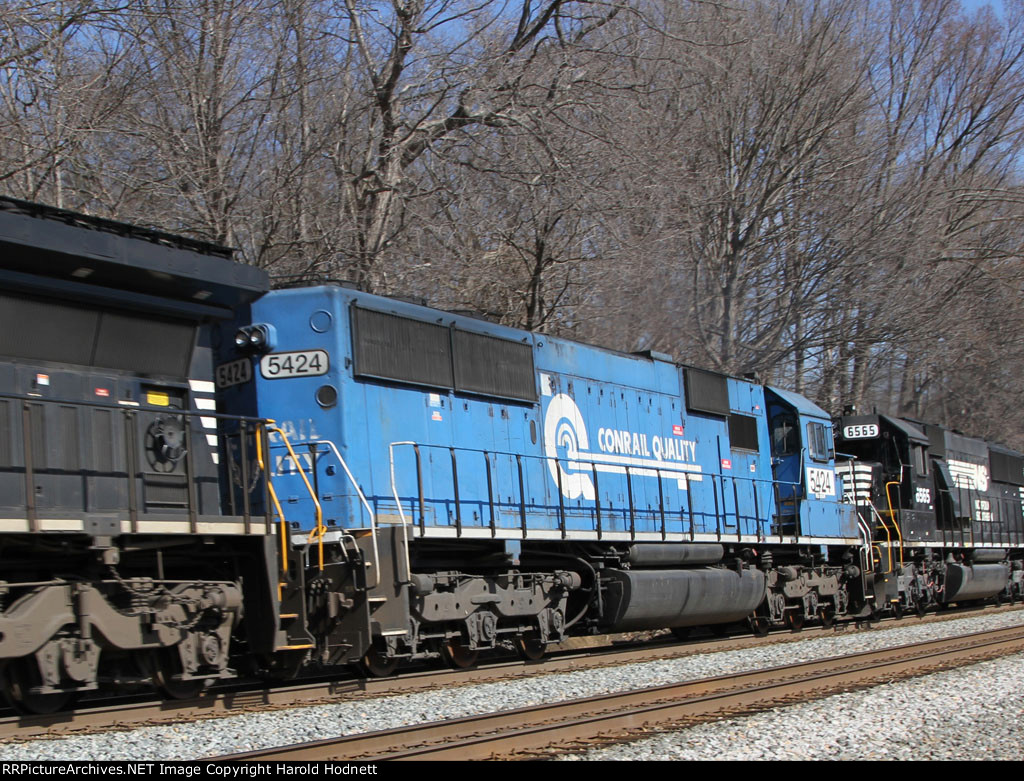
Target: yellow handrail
(320,529)
(888,538)
(892,515)
(277,503)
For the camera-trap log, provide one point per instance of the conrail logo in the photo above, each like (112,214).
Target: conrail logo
(564,428)
(572,464)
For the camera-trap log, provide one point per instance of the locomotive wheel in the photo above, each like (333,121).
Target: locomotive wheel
(378,664)
(531,648)
(897,610)
(795,621)
(458,655)
(166,668)
(19,677)
(760,625)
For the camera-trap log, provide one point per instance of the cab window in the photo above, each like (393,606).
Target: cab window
(819,442)
(785,435)
(920,461)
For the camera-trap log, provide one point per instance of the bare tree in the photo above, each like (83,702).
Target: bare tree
(511,228)
(429,71)
(946,119)
(747,125)
(199,110)
(56,92)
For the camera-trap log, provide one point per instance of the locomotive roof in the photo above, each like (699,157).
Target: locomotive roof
(806,406)
(914,433)
(996,447)
(73,255)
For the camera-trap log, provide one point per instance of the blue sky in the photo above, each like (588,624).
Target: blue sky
(971,5)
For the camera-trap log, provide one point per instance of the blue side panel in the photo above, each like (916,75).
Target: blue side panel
(652,465)
(453,477)
(747,476)
(617,453)
(307,320)
(609,446)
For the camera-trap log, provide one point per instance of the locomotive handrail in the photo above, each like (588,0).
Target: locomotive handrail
(132,407)
(888,535)
(130,473)
(401,512)
(716,479)
(892,516)
(863,529)
(865,533)
(362,498)
(589,463)
(277,505)
(320,529)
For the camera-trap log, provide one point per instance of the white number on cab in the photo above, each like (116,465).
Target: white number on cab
(863,431)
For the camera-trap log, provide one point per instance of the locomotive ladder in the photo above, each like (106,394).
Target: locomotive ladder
(298,618)
(295,582)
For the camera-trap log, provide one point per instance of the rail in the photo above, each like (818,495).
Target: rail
(510,733)
(503,479)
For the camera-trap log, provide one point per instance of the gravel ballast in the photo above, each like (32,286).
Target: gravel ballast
(970,713)
(260,730)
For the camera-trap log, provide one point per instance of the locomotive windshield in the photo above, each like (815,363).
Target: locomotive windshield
(819,441)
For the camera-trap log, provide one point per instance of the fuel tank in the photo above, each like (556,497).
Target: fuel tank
(655,599)
(980,581)
(988,555)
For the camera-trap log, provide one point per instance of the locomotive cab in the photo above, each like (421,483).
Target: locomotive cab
(899,497)
(803,465)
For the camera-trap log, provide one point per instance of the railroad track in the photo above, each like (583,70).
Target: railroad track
(527,731)
(131,714)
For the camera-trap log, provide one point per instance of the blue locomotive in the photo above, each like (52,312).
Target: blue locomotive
(200,477)
(521,487)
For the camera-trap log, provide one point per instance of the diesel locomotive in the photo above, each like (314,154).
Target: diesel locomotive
(202,478)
